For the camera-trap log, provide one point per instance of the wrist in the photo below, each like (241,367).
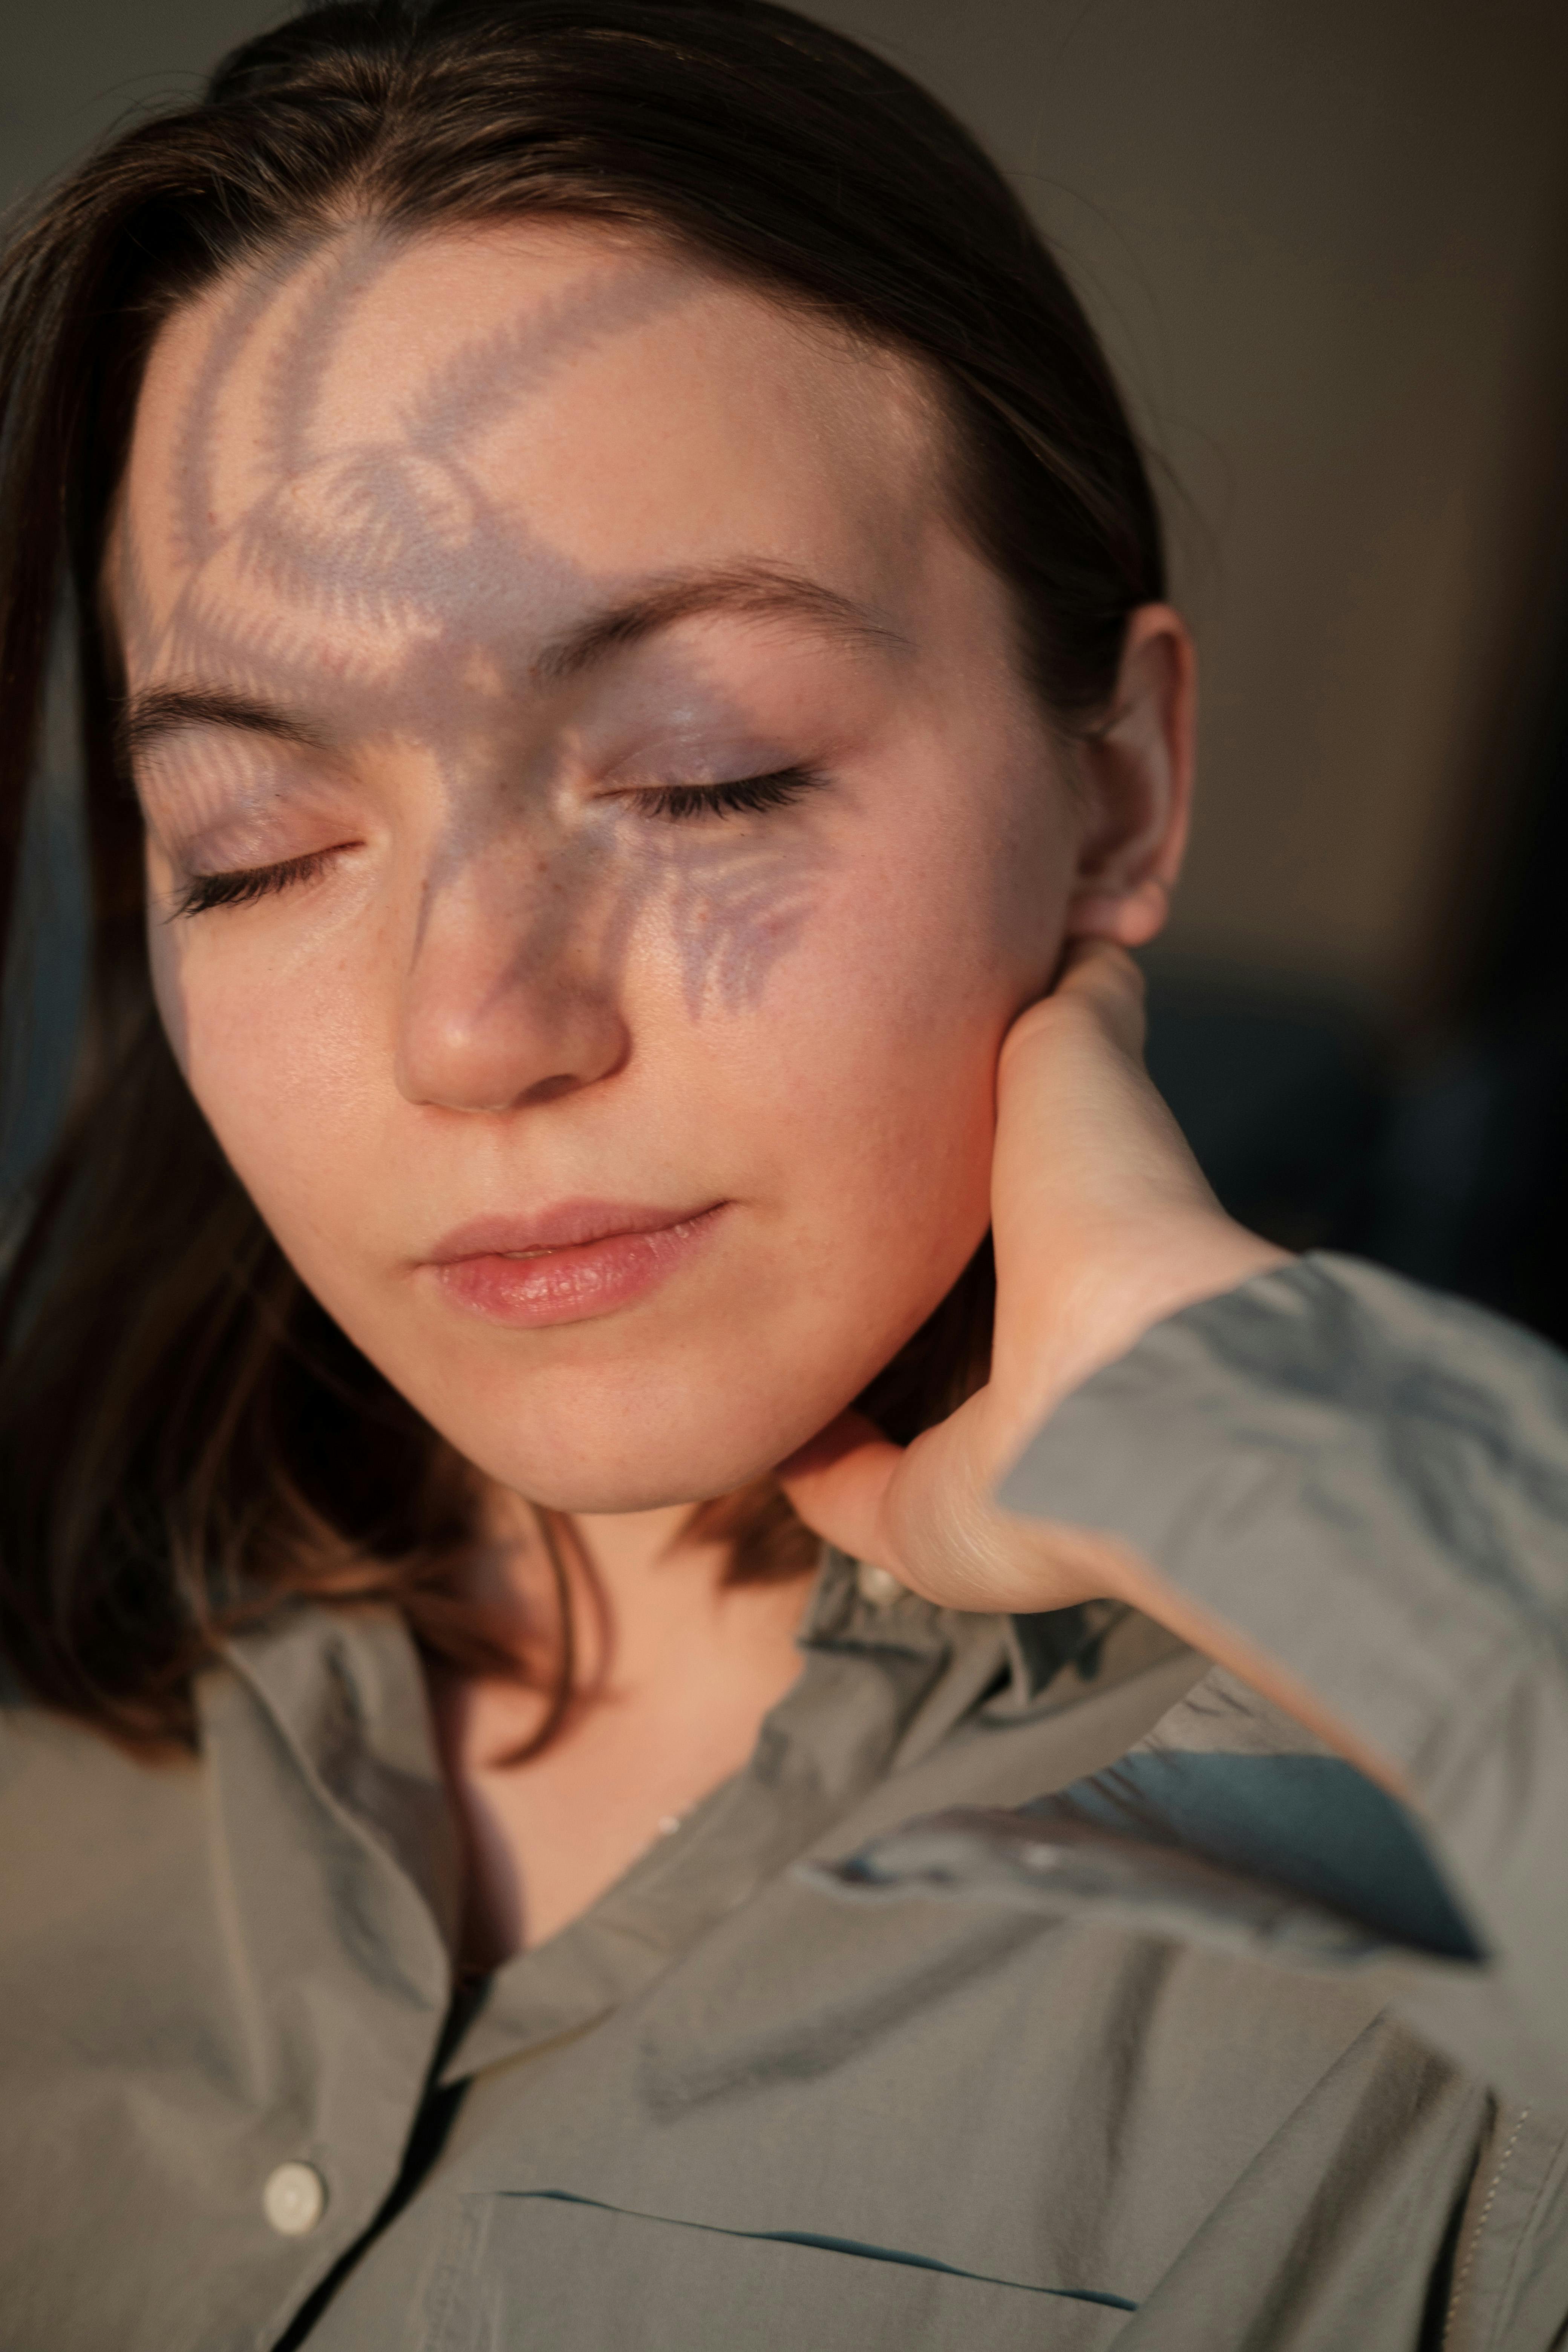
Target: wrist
(1121,1286)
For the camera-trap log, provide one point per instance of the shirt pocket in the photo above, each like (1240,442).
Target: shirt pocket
(559,2274)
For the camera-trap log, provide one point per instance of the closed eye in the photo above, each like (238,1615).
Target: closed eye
(676,804)
(246,883)
(746,795)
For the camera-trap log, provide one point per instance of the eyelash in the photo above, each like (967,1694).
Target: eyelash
(676,804)
(248,883)
(749,795)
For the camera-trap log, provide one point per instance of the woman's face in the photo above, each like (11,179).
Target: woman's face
(632,836)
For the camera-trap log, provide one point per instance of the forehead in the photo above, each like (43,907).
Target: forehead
(375,435)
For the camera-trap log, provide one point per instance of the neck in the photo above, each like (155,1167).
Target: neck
(627,1548)
(650,1596)
(657,1585)
(675,1665)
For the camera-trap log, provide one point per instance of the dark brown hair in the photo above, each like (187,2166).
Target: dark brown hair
(185,1436)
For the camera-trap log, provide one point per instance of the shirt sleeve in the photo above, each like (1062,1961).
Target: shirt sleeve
(1370,1483)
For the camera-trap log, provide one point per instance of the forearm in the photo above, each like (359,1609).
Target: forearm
(1122,1573)
(1356,1495)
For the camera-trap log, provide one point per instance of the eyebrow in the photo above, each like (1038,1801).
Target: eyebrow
(156,711)
(748,591)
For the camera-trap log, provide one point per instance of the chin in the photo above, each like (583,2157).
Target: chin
(648,1480)
(608,1454)
(597,1494)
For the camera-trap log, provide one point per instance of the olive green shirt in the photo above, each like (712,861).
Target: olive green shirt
(1035,1984)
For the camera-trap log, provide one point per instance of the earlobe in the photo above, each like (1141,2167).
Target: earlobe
(1130,918)
(1136,775)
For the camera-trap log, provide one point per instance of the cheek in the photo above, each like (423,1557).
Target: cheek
(166,961)
(278,1060)
(943,926)
(875,1044)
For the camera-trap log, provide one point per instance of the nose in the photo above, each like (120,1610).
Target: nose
(509,996)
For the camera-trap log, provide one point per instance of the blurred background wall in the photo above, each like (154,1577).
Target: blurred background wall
(1327,243)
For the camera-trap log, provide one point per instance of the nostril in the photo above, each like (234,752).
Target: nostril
(548,1089)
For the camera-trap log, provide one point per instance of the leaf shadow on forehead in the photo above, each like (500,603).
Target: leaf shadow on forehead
(378,579)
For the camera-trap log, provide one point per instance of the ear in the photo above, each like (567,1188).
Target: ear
(1135,777)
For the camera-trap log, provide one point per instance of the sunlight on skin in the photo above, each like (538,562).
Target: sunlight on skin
(487,1001)
(375,486)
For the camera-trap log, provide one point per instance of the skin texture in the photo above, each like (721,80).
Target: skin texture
(392,489)
(376,487)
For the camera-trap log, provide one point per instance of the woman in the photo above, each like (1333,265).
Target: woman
(629,718)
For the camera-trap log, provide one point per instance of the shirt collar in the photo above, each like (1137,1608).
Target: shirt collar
(855,1606)
(886,1676)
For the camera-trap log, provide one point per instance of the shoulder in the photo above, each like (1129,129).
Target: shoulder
(89,1832)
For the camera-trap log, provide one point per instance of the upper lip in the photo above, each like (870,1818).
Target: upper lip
(566,1224)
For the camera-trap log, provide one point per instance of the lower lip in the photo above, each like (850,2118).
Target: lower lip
(572,1286)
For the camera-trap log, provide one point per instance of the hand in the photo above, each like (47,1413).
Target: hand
(1102,1225)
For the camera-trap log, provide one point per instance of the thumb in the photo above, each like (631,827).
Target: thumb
(837,1482)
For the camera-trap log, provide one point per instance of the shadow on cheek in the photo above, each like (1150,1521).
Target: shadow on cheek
(736,909)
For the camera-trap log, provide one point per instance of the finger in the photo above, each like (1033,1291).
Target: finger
(1098,979)
(1099,973)
(1088,963)
(838,1483)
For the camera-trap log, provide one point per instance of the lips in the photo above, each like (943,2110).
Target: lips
(569,1262)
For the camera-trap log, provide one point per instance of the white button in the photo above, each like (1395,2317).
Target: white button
(880,1586)
(294,2198)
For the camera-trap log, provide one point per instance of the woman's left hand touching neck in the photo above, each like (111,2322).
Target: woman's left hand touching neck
(1102,1225)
